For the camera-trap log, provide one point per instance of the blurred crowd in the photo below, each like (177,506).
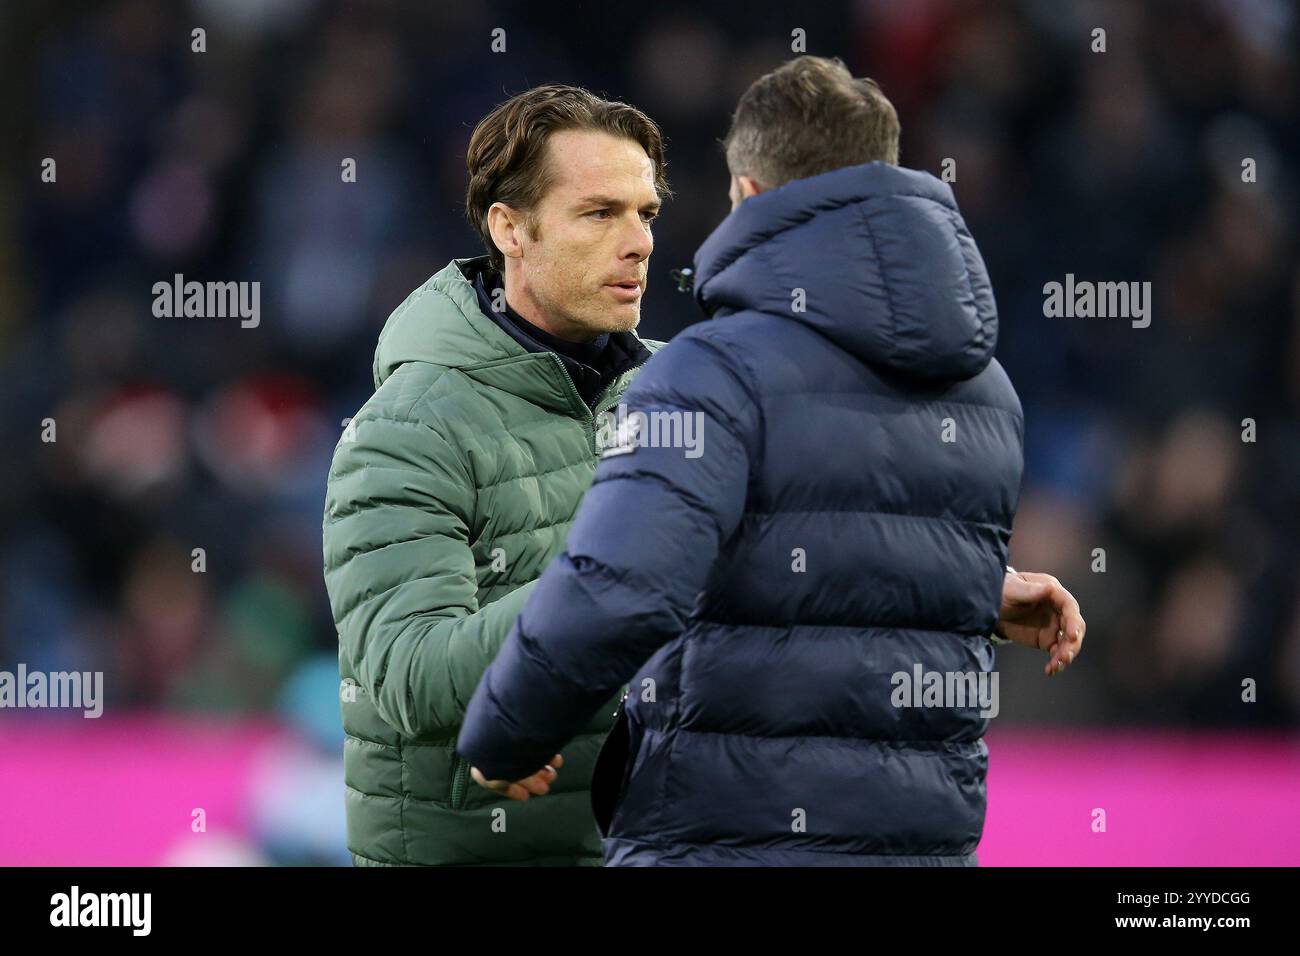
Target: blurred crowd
(169,534)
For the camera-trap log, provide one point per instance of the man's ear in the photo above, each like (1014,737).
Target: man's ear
(749,186)
(506,226)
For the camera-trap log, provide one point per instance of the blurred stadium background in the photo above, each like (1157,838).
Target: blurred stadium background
(175,434)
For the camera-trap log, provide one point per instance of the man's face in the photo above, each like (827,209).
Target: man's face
(584,261)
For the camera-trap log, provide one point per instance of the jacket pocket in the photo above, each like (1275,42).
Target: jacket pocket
(459,781)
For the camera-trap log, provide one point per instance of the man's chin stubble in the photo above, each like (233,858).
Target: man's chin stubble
(617,322)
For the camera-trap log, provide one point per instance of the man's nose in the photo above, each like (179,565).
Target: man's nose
(638,242)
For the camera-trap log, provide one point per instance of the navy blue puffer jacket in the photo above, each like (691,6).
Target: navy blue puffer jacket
(845,519)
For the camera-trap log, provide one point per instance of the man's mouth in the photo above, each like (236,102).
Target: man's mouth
(628,290)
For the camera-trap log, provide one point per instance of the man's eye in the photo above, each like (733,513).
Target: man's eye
(599,213)
(649,216)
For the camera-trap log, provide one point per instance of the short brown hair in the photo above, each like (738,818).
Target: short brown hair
(807,117)
(507,152)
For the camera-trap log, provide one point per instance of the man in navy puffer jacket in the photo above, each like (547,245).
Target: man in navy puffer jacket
(845,520)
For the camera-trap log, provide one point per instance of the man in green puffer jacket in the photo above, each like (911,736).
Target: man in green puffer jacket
(456,482)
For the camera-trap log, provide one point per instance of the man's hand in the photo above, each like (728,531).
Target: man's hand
(1038,612)
(539,783)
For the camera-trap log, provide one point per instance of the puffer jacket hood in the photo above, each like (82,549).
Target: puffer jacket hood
(441,323)
(892,280)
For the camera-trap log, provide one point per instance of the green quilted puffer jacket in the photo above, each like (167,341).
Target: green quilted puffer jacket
(449,493)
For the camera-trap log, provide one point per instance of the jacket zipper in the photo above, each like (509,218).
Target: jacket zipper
(592,412)
(459,782)
(622,702)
